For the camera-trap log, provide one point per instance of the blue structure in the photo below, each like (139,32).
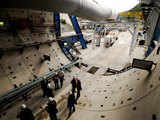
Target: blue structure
(72,39)
(155,37)
(57,24)
(118,18)
(78,31)
(58,34)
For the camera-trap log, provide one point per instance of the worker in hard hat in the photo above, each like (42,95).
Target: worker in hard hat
(25,113)
(51,109)
(76,83)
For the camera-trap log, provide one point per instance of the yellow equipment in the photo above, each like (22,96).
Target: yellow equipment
(132,14)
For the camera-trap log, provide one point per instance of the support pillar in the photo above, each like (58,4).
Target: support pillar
(57,24)
(78,30)
(58,34)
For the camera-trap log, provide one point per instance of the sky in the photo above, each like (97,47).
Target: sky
(119,5)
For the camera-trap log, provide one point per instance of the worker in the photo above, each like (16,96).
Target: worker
(51,109)
(44,84)
(49,91)
(158,50)
(25,113)
(71,103)
(56,81)
(73,82)
(61,77)
(76,83)
(79,88)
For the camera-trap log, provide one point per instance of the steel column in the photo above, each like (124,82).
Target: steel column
(155,37)
(57,24)
(58,34)
(78,30)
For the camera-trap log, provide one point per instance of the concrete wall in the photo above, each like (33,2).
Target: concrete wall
(20,66)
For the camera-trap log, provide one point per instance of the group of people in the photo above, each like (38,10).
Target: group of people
(46,89)
(46,86)
(72,100)
(58,78)
(27,114)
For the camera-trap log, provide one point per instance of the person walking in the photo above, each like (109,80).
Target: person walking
(61,77)
(76,84)
(52,109)
(73,82)
(71,103)
(25,113)
(79,88)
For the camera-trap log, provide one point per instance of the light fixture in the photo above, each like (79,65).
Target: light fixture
(65,44)
(75,43)
(74,53)
(1,23)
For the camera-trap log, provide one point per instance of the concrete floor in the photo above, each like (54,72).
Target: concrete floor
(116,56)
(133,95)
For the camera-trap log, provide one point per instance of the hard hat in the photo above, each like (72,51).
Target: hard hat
(51,99)
(65,44)
(49,85)
(75,76)
(23,106)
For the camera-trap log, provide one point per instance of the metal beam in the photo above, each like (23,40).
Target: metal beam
(72,39)
(154,35)
(78,30)
(57,24)
(58,34)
